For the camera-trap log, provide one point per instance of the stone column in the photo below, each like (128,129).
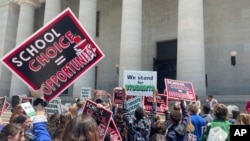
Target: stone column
(52,9)
(131,28)
(87,17)
(24,30)
(190,50)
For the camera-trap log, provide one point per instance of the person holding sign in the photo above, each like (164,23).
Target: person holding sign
(40,120)
(177,131)
(139,128)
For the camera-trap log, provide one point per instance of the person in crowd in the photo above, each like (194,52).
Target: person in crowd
(121,124)
(18,110)
(197,121)
(247,107)
(198,103)
(157,137)
(82,128)
(79,106)
(1,124)
(177,130)
(211,101)
(25,121)
(53,124)
(12,132)
(206,114)
(167,121)
(218,129)
(235,114)
(138,128)
(39,121)
(65,118)
(243,119)
(156,126)
(73,110)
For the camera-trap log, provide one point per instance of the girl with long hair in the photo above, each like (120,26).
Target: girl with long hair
(82,128)
(18,110)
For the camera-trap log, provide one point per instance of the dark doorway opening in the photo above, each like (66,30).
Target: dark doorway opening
(165,62)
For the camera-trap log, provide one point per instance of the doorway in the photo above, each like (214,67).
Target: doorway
(165,62)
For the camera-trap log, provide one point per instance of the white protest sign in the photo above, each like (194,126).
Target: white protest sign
(29,110)
(134,103)
(140,83)
(85,93)
(54,107)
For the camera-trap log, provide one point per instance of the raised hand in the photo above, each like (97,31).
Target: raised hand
(37,93)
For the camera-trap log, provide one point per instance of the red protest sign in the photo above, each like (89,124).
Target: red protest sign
(56,55)
(102,116)
(161,100)
(2,104)
(114,133)
(27,99)
(6,106)
(176,89)
(118,95)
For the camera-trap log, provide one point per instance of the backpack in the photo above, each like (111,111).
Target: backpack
(137,136)
(139,127)
(216,134)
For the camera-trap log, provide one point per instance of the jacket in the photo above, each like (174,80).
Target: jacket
(39,129)
(222,124)
(142,125)
(178,132)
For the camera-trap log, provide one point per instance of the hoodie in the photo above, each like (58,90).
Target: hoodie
(177,132)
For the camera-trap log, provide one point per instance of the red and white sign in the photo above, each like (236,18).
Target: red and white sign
(2,104)
(161,100)
(56,55)
(118,95)
(114,133)
(176,89)
(102,115)
(6,106)
(27,99)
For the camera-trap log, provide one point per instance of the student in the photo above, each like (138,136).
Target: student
(139,128)
(211,101)
(243,119)
(218,129)
(206,114)
(12,132)
(197,121)
(177,131)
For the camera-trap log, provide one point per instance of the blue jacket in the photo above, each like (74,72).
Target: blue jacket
(198,122)
(143,125)
(178,132)
(39,129)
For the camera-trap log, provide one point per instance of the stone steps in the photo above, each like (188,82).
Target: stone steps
(6,116)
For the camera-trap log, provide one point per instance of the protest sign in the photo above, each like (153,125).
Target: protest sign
(56,55)
(114,133)
(140,83)
(161,100)
(28,109)
(27,99)
(176,89)
(86,93)
(118,96)
(54,107)
(134,103)
(2,103)
(6,106)
(102,115)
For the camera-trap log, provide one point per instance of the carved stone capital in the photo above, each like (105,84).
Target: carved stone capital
(34,3)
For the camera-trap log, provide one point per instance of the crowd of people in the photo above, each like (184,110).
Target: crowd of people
(193,121)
